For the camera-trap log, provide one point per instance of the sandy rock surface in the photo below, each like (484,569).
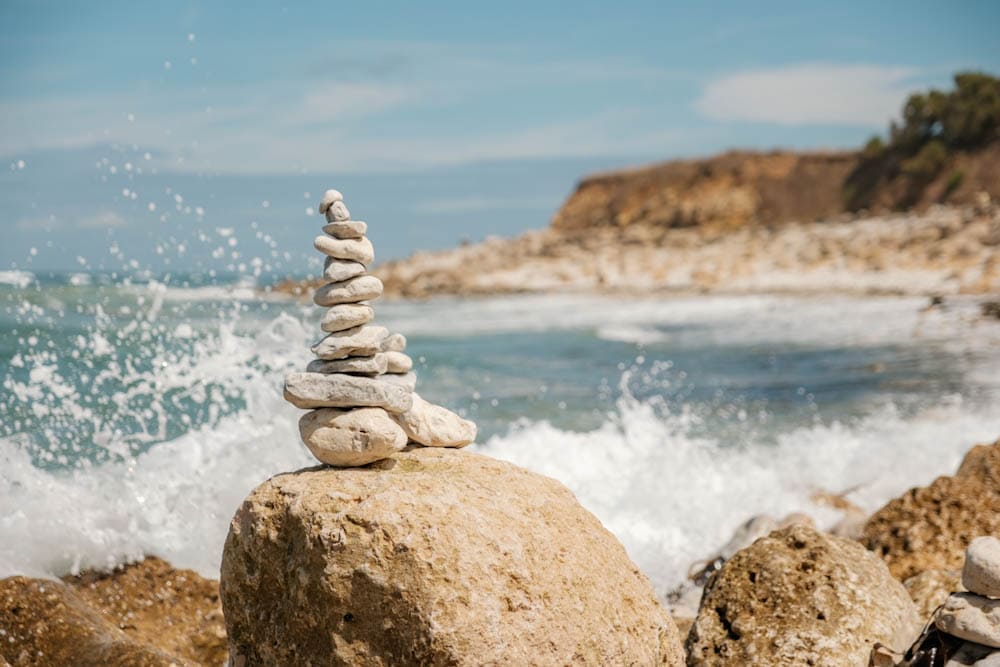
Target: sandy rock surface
(433,557)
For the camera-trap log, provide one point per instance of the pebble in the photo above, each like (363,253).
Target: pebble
(968,616)
(318,390)
(981,573)
(351,437)
(337,212)
(408,380)
(329,197)
(355,250)
(375,365)
(394,343)
(346,229)
(363,341)
(433,426)
(362,288)
(398,362)
(346,316)
(342,269)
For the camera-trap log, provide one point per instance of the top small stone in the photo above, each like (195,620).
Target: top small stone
(329,197)
(981,573)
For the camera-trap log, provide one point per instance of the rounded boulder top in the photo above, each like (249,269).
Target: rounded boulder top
(329,197)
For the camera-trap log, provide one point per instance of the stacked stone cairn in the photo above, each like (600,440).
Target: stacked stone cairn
(360,388)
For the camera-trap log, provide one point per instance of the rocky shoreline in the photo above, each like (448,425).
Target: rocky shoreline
(410,592)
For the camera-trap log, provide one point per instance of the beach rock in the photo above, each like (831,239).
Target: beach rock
(339,270)
(394,343)
(355,250)
(971,654)
(746,534)
(346,229)
(375,365)
(931,588)
(316,390)
(398,362)
(337,212)
(329,197)
(433,426)
(433,557)
(347,316)
(362,288)
(929,528)
(981,572)
(351,437)
(363,341)
(972,617)
(800,597)
(408,380)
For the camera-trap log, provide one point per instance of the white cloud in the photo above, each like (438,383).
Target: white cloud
(811,94)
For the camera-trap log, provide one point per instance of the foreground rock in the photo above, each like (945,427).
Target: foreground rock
(800,597)
(146,614)
(971,617)
(929,528)
(433,557)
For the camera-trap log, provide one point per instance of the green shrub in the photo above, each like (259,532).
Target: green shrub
(954,181)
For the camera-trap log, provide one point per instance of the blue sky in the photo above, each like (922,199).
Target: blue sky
(157,133)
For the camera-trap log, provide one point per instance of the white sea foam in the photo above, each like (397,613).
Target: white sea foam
(16,278)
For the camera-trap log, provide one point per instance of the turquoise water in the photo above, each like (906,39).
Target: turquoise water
(137,412)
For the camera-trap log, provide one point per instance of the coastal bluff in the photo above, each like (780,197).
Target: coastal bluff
(433,557)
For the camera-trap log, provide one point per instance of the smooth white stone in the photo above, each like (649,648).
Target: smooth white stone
(362,288)
(394,343)
(375,365)
(347,229)
(967,616)
(363,341)
(981,572)
(355,250)
(434,426)
(337,212)
(351,437)
(338,270)
(329,197)
(318,390)
(408,380)
(346,316)
(398,362)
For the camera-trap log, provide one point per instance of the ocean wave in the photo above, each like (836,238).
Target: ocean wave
(16,278)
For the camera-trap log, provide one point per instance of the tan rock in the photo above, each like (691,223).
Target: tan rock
(339,270)
(434,426)
(363,341)
(354,250)
(353,290)
(351,437)
(346,229)
(394,343)
(337,212)
(972,617)
(929,528)
(981,572)
(346,316)
(316,390)
(329,197)
(931,588)
(801,597)
(408,380)
(433,557)
(398,362)
(375,365)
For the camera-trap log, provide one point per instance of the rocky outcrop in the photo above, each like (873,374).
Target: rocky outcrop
(929,528)
(800,597)
(145,614)
(931,588)
(434,557)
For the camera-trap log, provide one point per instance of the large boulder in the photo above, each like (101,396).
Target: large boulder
(800,597)
(929,528)
(433,557)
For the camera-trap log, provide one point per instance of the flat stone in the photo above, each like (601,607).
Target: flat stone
(434,426)
(981,572)
(337,212)
(408,380)
(329,197)
(346,229)
(351,437)
(394,343)
(318,390)
(398,362)
(363,341)
(342,269)
(355,250)
(375,365)
(347,316)
(352,290)
(970,616)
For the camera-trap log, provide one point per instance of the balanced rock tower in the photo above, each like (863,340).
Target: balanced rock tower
(360,388)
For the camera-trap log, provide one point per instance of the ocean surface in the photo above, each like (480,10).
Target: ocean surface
(137,412)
